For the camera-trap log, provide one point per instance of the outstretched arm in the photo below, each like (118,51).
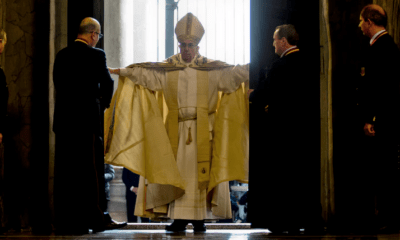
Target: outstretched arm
(230,78)
(150,78)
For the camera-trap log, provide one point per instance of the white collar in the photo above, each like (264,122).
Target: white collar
(376,34)
(287,50)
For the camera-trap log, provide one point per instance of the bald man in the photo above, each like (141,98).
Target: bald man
(84,89)
(381,113)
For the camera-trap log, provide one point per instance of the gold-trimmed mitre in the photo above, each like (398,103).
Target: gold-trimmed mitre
(189,28)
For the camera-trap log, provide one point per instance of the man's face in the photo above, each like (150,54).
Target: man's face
(2,45)
(95,36)
(188,50)
(278,44)
(364,25)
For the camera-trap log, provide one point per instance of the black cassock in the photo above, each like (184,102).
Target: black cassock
(84,89)
(380,105)
(288,145)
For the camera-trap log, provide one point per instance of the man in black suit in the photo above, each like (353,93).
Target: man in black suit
(84,89)
(292,176)
(131,181)
(380,106)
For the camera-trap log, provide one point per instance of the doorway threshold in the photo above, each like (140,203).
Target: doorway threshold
(145,226)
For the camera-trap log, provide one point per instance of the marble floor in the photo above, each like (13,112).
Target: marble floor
(253,234)
(215,231)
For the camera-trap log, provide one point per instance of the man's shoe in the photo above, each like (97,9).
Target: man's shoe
(199,226)
(97,229)
(177,226)
(115,225)
(112,224)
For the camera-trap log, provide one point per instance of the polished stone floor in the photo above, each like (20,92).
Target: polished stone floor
(189,234)
(217,232)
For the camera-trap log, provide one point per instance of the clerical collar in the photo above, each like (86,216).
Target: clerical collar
(290,50)
(82,40)
(377,35)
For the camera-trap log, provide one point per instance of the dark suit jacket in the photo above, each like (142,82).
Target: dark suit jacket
(287,92)
(381,98)
(84,89)
(130,179)
(3,100)
(380,90)
(284,90)
(83,86)
(291,171)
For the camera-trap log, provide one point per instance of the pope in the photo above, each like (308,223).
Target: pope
(186,164)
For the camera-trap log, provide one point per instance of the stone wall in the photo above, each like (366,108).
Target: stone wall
(58,40)
(26,65)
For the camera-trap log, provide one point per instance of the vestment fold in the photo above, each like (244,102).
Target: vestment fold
(137,139)
(133,130)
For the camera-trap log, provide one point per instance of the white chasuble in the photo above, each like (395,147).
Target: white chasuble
(194,204)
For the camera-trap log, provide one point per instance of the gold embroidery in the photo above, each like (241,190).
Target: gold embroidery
(189,28)
(292,51)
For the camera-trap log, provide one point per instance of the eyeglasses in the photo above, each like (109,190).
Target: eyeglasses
(189,45)
(100,35)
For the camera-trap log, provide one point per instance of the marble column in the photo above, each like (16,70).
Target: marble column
(118,33)
(130,36)
(57,41)
(327,187)
(118,45)
(25,63)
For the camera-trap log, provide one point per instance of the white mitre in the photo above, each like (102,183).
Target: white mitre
(189,28)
